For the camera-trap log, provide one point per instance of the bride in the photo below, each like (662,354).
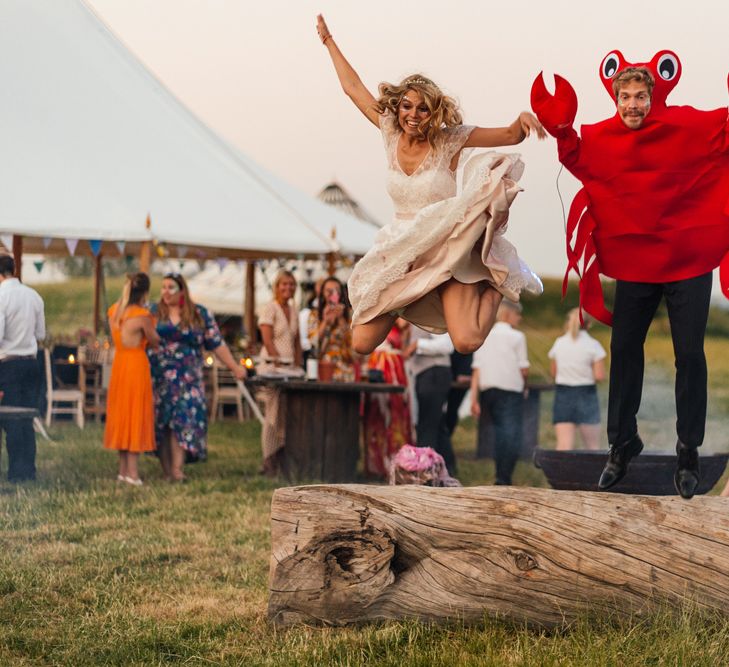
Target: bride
(442,263)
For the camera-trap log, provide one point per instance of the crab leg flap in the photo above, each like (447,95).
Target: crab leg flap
(580,221)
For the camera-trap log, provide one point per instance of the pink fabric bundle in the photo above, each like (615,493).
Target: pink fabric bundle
(420,465)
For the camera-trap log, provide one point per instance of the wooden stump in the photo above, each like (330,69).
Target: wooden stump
(351,553)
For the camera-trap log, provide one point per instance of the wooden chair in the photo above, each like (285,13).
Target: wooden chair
(54,397)
(225,391)
(91,381)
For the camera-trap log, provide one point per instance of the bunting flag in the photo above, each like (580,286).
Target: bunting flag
(71,245)
(222,262)
(240,263)
(120,245)
(182,250)
(201,264)
(181,262)
(39,265)
(95,247)
(7,241)
(47,242)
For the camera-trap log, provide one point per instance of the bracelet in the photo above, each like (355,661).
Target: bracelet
(324,39)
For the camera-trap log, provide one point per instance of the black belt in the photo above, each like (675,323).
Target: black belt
(17,357)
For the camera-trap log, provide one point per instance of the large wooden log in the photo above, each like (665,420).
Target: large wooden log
(351,553)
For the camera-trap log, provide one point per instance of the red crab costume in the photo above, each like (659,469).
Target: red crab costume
(655,203)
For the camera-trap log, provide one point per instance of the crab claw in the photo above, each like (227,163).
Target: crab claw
(556,112)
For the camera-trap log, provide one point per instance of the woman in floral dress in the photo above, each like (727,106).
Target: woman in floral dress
(186,331)
(330,332)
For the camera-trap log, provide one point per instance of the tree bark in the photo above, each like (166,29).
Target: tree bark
(351,553)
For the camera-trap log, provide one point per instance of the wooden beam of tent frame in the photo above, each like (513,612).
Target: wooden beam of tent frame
(147,251)
(57,248)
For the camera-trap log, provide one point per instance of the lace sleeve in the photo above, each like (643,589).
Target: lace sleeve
(453,139)
(388,128)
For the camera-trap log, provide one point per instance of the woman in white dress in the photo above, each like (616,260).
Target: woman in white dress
(442,263)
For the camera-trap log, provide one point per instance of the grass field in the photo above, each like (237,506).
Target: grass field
(94,573)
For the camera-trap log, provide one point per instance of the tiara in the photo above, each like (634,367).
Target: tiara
(418,80)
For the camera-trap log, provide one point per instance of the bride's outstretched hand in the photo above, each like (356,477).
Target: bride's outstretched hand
(529,124)
(322,29)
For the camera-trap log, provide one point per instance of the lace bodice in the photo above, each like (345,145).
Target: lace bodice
(432,181)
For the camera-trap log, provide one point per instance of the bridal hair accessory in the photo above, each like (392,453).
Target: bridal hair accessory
(418,80)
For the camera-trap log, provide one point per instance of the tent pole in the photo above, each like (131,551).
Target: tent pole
(145,252)
(97,293)
(249,320)
(331,263)
(18,255)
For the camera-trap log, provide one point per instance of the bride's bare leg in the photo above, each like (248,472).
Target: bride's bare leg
(469,314)
(366,337)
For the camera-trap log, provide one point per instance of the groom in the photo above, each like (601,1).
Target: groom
(656,226)
(687,302)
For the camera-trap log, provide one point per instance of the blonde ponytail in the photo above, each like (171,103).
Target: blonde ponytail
(123,302)
(573,323)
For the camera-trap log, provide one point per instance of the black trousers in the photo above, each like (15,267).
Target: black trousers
(687,302)
(20,382)
(506,409)
(431,388)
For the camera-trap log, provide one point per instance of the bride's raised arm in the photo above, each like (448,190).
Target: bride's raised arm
(351,83)
(520,129)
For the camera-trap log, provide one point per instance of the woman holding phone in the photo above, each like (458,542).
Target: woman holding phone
(330,331)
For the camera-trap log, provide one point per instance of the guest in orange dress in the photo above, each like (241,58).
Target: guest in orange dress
(130,405)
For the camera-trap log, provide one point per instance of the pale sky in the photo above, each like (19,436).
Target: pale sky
(256,73)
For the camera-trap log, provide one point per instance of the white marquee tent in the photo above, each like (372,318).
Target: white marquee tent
(93,143)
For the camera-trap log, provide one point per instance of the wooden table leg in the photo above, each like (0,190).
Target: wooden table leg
(322,435)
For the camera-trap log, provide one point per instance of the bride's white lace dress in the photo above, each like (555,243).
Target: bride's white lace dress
(438,234)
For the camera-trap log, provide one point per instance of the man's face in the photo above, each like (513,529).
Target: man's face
(634,103)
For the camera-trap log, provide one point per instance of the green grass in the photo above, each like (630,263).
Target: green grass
(94,573)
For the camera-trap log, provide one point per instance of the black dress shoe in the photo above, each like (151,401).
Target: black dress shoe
(617,463)
(686,480)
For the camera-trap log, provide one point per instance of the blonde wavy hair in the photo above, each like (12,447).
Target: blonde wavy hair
(444,110)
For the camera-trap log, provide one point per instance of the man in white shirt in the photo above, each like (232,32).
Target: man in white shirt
(500,369)
(22,325)
(429,360)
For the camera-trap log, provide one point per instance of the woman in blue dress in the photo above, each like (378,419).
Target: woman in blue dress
(186,330)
